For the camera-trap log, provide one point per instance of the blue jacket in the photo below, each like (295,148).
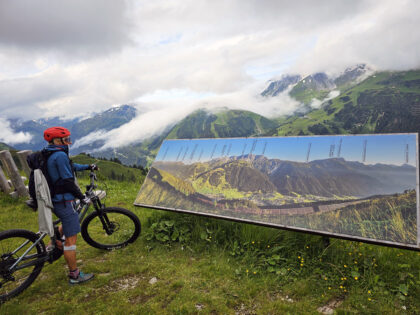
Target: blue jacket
(59,167)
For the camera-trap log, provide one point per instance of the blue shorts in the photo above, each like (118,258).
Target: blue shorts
(68,216)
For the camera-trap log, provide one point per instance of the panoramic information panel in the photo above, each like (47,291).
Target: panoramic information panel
(362,187)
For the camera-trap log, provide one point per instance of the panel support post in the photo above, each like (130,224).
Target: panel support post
(22,158)
(326,241)
(7,160)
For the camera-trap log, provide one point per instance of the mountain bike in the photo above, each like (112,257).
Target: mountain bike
(23,252)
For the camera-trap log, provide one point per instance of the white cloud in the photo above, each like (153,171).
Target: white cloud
(316,103)
(75,28)
(384,36)
(219,53)
(164,109)
(9,136)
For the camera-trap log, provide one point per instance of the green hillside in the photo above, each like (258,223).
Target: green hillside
(110,170)
(4,146)
(306,94)
(138,154)
(224,124)
(385,102)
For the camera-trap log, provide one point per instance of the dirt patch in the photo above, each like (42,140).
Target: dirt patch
(330,306)
(123,284)
(245,310)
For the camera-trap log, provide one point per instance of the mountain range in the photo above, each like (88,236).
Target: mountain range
(326,178)
(317,85)
(107,120)
(367,102)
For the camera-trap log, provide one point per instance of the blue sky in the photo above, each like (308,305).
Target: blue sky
(386,149)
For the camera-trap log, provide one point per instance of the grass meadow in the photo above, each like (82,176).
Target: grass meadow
(185,264)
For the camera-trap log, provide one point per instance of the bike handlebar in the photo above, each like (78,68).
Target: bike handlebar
(92,177)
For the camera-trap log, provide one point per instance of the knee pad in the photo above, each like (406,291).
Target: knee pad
(69,248)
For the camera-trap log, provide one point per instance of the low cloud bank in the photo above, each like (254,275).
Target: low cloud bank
(9,136)
(162,112)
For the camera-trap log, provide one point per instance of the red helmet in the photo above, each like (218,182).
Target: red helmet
(56,132)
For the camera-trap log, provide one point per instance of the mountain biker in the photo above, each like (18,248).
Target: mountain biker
(65,190)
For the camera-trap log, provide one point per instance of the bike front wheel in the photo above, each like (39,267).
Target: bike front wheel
(111,228)
(13,244)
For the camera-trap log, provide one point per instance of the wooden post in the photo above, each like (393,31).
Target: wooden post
(4,184)
(6,159)
(4,163)
(22,158)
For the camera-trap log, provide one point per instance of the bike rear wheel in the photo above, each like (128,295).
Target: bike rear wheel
(14,282)
(111,228)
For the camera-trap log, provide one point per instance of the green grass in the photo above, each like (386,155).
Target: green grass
(110,170)
(217,267)
(306,96)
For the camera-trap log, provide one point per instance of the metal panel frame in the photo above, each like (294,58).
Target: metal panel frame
(305,230)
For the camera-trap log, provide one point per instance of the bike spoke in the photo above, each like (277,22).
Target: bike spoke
(12,280)
(112,229)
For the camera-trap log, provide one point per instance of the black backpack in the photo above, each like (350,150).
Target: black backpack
(38,160)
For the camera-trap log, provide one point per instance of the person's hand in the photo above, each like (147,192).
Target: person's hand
(85,200)
(93,167)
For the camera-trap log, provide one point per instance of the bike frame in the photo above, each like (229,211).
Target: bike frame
(82,209)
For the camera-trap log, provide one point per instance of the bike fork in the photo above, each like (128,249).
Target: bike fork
(105,223)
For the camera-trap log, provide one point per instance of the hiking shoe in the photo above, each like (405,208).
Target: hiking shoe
(82,277)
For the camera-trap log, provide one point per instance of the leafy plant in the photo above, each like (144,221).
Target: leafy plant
(166,232)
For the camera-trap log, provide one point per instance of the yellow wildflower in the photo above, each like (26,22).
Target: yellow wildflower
(356,278)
